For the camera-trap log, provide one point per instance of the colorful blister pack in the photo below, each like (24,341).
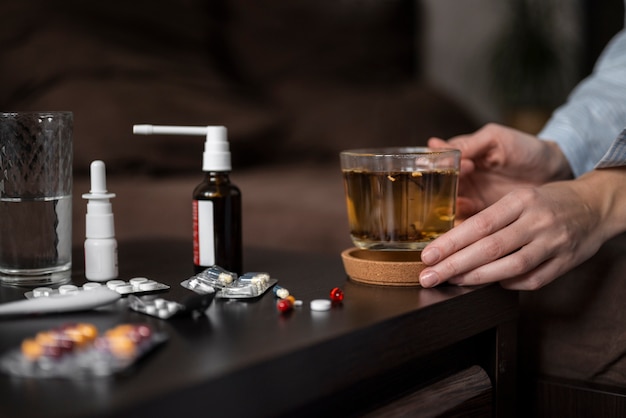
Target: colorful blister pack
(79,350)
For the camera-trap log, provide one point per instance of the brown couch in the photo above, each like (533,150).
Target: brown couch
(294,83)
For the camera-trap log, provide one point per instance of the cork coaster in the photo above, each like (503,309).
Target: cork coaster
(388,268)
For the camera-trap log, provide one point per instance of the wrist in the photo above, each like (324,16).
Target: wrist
(557,163)
(604,190)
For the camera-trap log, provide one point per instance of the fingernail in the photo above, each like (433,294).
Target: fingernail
(428,278)
(430,255)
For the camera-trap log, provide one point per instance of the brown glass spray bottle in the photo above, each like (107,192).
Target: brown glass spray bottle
(217,234)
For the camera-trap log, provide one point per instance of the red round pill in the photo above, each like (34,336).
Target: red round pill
(336,295)
(284,305)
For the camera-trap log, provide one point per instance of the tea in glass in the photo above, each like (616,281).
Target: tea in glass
(400,198)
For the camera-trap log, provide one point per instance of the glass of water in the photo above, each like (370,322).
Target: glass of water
(35,197)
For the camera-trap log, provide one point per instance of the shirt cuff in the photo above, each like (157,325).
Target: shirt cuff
(616,154)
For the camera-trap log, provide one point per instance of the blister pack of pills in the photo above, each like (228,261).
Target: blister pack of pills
(79,350)
(163,308)
(227,285)
(136,285)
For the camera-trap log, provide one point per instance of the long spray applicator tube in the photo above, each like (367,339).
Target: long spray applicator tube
(170,130)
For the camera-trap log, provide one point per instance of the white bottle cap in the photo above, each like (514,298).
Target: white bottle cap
(216,156)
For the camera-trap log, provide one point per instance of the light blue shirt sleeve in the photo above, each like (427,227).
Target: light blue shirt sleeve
(595,112)
(616,155)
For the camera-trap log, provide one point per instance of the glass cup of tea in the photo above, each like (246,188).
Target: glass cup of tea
(399,198)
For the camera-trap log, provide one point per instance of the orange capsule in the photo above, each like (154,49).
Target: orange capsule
(31,349)
(122,346)
(88,330)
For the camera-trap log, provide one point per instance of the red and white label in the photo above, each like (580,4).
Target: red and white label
(203,234)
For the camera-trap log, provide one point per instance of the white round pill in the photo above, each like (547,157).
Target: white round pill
(68,289)
(41,292)
(320,305)
(112,284)
(136,281)
(151,309)
(159,303)
(91,285)
(148,285)
(125,289)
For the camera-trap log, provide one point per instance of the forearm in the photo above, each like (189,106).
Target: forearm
(604,190)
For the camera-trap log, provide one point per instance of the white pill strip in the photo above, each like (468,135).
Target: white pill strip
(136,285)
(158,307)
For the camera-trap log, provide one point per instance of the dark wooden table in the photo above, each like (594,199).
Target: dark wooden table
(246,359)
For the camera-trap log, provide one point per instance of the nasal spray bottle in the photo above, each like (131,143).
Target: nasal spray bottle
(100,242)
(217,235)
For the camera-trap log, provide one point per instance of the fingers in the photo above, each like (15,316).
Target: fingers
(480,240)
(492,219)
(524,269)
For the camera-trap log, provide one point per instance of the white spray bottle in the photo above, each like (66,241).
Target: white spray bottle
(100,243)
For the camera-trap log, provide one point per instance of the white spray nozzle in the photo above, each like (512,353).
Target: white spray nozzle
(216,156)
(99,218)
(98,190)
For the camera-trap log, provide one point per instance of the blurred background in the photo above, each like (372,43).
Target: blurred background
(295,76)
(295,82)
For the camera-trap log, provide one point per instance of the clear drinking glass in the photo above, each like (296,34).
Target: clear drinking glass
(35,197)
(399,198)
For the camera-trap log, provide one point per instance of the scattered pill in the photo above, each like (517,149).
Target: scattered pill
(336,295)
(284,305)
(280,292)
(320,305)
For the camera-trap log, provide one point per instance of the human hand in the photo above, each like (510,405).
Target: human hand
(497,159)
(532,235)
